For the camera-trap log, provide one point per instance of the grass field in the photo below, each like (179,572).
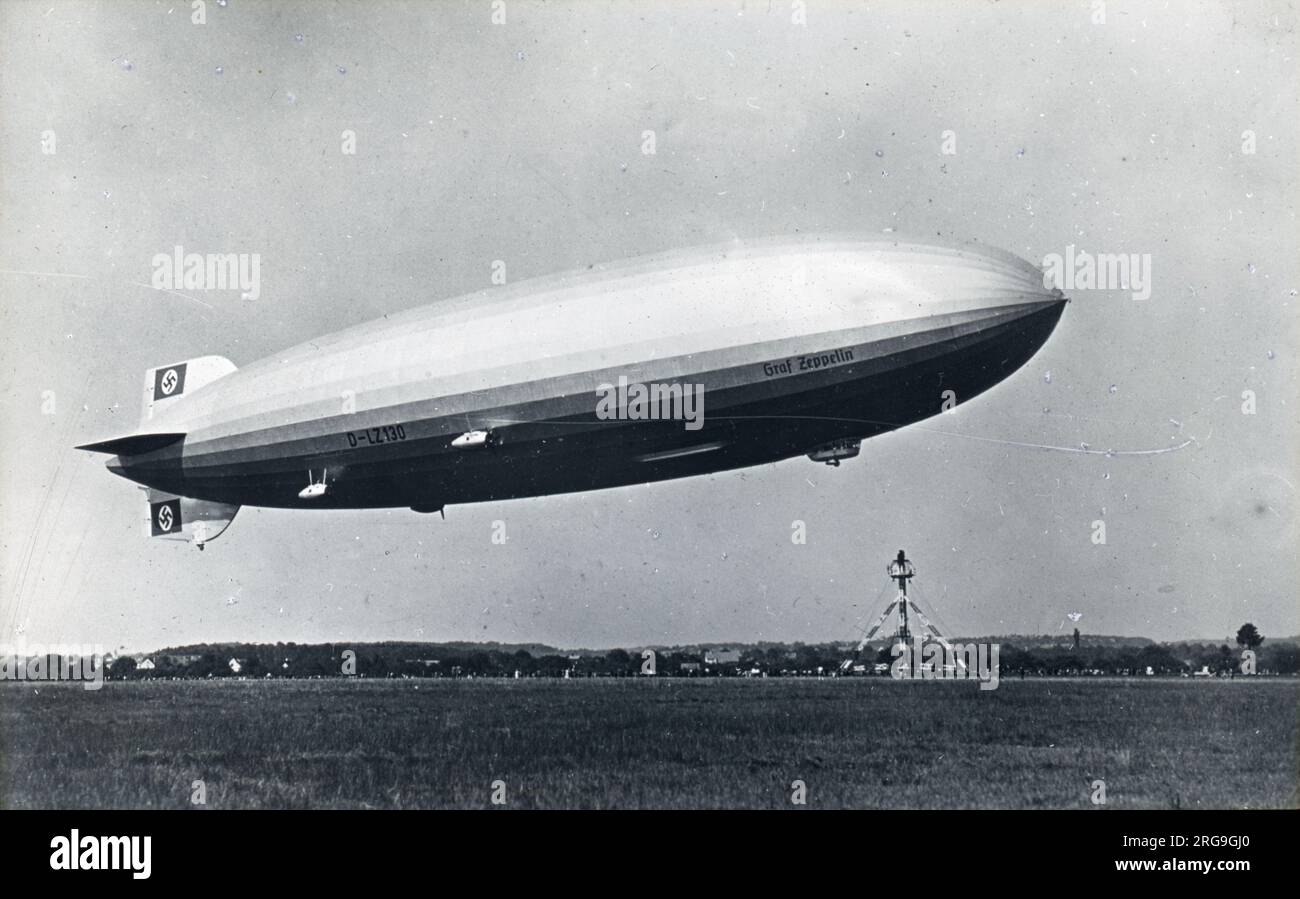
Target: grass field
(866,743)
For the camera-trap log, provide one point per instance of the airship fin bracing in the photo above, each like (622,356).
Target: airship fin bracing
(658,368)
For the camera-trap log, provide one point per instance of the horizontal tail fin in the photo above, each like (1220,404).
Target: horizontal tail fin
(134,444)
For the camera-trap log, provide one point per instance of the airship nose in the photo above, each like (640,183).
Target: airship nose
(958,279)
(1005,276)
(994,280)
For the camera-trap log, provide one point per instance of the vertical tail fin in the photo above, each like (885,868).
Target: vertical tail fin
(197,521)
(167,383)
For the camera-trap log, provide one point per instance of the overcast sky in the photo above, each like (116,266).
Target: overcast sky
(523,142)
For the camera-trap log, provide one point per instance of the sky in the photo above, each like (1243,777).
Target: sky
(1160,129)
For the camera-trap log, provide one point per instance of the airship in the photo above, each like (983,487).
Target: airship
(661,367)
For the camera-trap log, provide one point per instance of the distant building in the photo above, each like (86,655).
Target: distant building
(721,656)
(144,664)
(690,667)
(236,666)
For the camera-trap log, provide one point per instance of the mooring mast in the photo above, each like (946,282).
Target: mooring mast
(902,570)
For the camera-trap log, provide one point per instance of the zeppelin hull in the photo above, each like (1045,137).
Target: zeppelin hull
(761,402)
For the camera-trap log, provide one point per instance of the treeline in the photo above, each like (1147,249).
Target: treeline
(382,660)
(1160,658)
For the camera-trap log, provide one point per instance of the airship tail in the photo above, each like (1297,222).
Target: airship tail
(164,386)
(196,521)
(167,384)
(171,516)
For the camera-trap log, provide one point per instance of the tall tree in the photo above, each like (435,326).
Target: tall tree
(1249,636)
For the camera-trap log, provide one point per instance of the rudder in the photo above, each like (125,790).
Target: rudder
(196,521)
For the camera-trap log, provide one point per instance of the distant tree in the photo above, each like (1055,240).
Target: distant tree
(208,665)
(1249,636)
(552,665)
(618,662)
(1227,663)
(810,658)
(523,662)
(1283,658)
(1067,663)
(1126,661)
(1160,659)
(1017,660)
(122,668)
